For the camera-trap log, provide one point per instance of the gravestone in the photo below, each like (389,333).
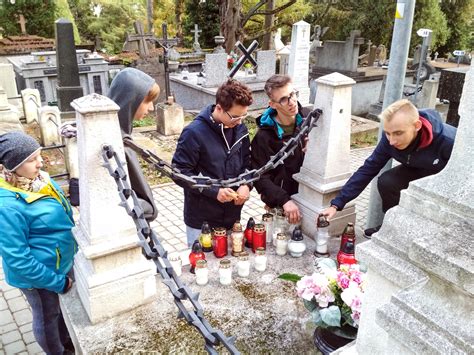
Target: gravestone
(7,80)
(49,120)
(372,54)
(169,119)
(284,55)
(215,69)
(196,45)
(31,103)
(340,56)
(266,62)
(450,88)
(381,54)
(326,165)
(112,276)
(298,67)
(419,297)
(68,85)
(9,117)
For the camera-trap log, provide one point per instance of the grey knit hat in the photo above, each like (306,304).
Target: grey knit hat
(15,148)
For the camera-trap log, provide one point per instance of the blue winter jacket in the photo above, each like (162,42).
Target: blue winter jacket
(433,158)
(36,242)
(203,148)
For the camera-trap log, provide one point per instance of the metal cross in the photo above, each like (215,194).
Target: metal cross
(166,43)
(246,56)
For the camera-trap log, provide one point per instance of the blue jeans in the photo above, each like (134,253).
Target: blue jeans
(192,234)
(48,324)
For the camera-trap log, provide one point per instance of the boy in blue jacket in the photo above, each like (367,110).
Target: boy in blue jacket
(419,140)
(215,144)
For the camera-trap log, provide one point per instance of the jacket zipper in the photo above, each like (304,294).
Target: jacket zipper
(227,143)
(58,258)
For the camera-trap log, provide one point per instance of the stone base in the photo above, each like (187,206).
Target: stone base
(66,95)
(169,119)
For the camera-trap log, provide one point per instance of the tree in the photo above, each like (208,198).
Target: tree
(40,16)
(63,11)
(204,14)
(460,19)
(428,14)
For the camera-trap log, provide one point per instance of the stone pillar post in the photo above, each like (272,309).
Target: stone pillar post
(112,276)
(49,121)
(72,157)
(31,103)
(424,251)
(298,67)
(9,117)
(326,165)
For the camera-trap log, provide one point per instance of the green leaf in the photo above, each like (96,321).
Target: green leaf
(290,277)
(310,305)
(331,316)
(317,319)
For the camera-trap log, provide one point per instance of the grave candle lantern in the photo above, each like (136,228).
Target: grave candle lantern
(195,255)
(249,232)
(176,263)
(205,238)
(243,265)
(322,236)
(202,272)
(219,242)
(267,221)
(225,272)
(259,237)
(346,253)
(281,244)
(237,237)
(296,245)
(260,260)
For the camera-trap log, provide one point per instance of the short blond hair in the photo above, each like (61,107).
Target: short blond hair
(404,106)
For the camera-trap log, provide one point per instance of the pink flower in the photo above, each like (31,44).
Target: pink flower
(355,317)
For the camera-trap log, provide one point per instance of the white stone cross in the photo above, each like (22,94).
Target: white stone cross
(196,32)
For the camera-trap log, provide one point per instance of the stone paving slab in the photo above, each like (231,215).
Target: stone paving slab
(16,335)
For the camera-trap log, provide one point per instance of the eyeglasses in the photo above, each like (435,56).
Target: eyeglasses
(236,118)
(285,100)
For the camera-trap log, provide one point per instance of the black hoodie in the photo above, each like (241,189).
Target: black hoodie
(203,148)
(128,89)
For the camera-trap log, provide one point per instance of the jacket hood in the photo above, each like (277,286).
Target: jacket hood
(128,89)
(267,119)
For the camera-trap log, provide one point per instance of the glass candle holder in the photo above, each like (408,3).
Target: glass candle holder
(195,255)
(281,244)
(205,238)
(225,272)
(260,260)
(296,245)
(219,242)
(267,221)
(202,272)
(243,265)
(176,263)
(237,238)
(322,236)
(259,237)
(248,233)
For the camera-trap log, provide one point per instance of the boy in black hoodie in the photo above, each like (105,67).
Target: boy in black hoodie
(215,144)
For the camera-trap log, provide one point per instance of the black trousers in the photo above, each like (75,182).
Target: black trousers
(391,182)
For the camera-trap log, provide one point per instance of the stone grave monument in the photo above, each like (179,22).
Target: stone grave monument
(340,56)
(9,116)
(31,103)
(419,297)
(298,67)
(326,165)
(49,120)
(9,84)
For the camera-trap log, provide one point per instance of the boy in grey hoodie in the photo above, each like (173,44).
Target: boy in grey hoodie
(134,91)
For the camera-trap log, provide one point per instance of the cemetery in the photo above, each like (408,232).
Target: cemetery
(323,285)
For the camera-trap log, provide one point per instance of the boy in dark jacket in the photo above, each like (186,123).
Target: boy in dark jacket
(279,123)
(215,144)
(419,140)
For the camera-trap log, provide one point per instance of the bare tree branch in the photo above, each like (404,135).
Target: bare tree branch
(254,11)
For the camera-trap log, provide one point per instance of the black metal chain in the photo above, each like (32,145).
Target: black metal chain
(249,176)
(153,249)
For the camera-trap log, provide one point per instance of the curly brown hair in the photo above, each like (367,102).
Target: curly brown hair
(233,92)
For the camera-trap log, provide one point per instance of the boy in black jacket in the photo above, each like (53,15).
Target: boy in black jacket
(215,144)
(279,123)
(419,140)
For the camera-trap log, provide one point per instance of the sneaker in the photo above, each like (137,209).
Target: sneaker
(369,231)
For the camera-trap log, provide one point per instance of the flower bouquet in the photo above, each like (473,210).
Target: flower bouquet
(333,296)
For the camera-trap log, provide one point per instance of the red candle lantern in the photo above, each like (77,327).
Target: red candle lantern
(219,242)
(248,233)
(346,253)
(195,255)
(259,237)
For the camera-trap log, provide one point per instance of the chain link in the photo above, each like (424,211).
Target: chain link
(151,245)
(249,176)
(153,249)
